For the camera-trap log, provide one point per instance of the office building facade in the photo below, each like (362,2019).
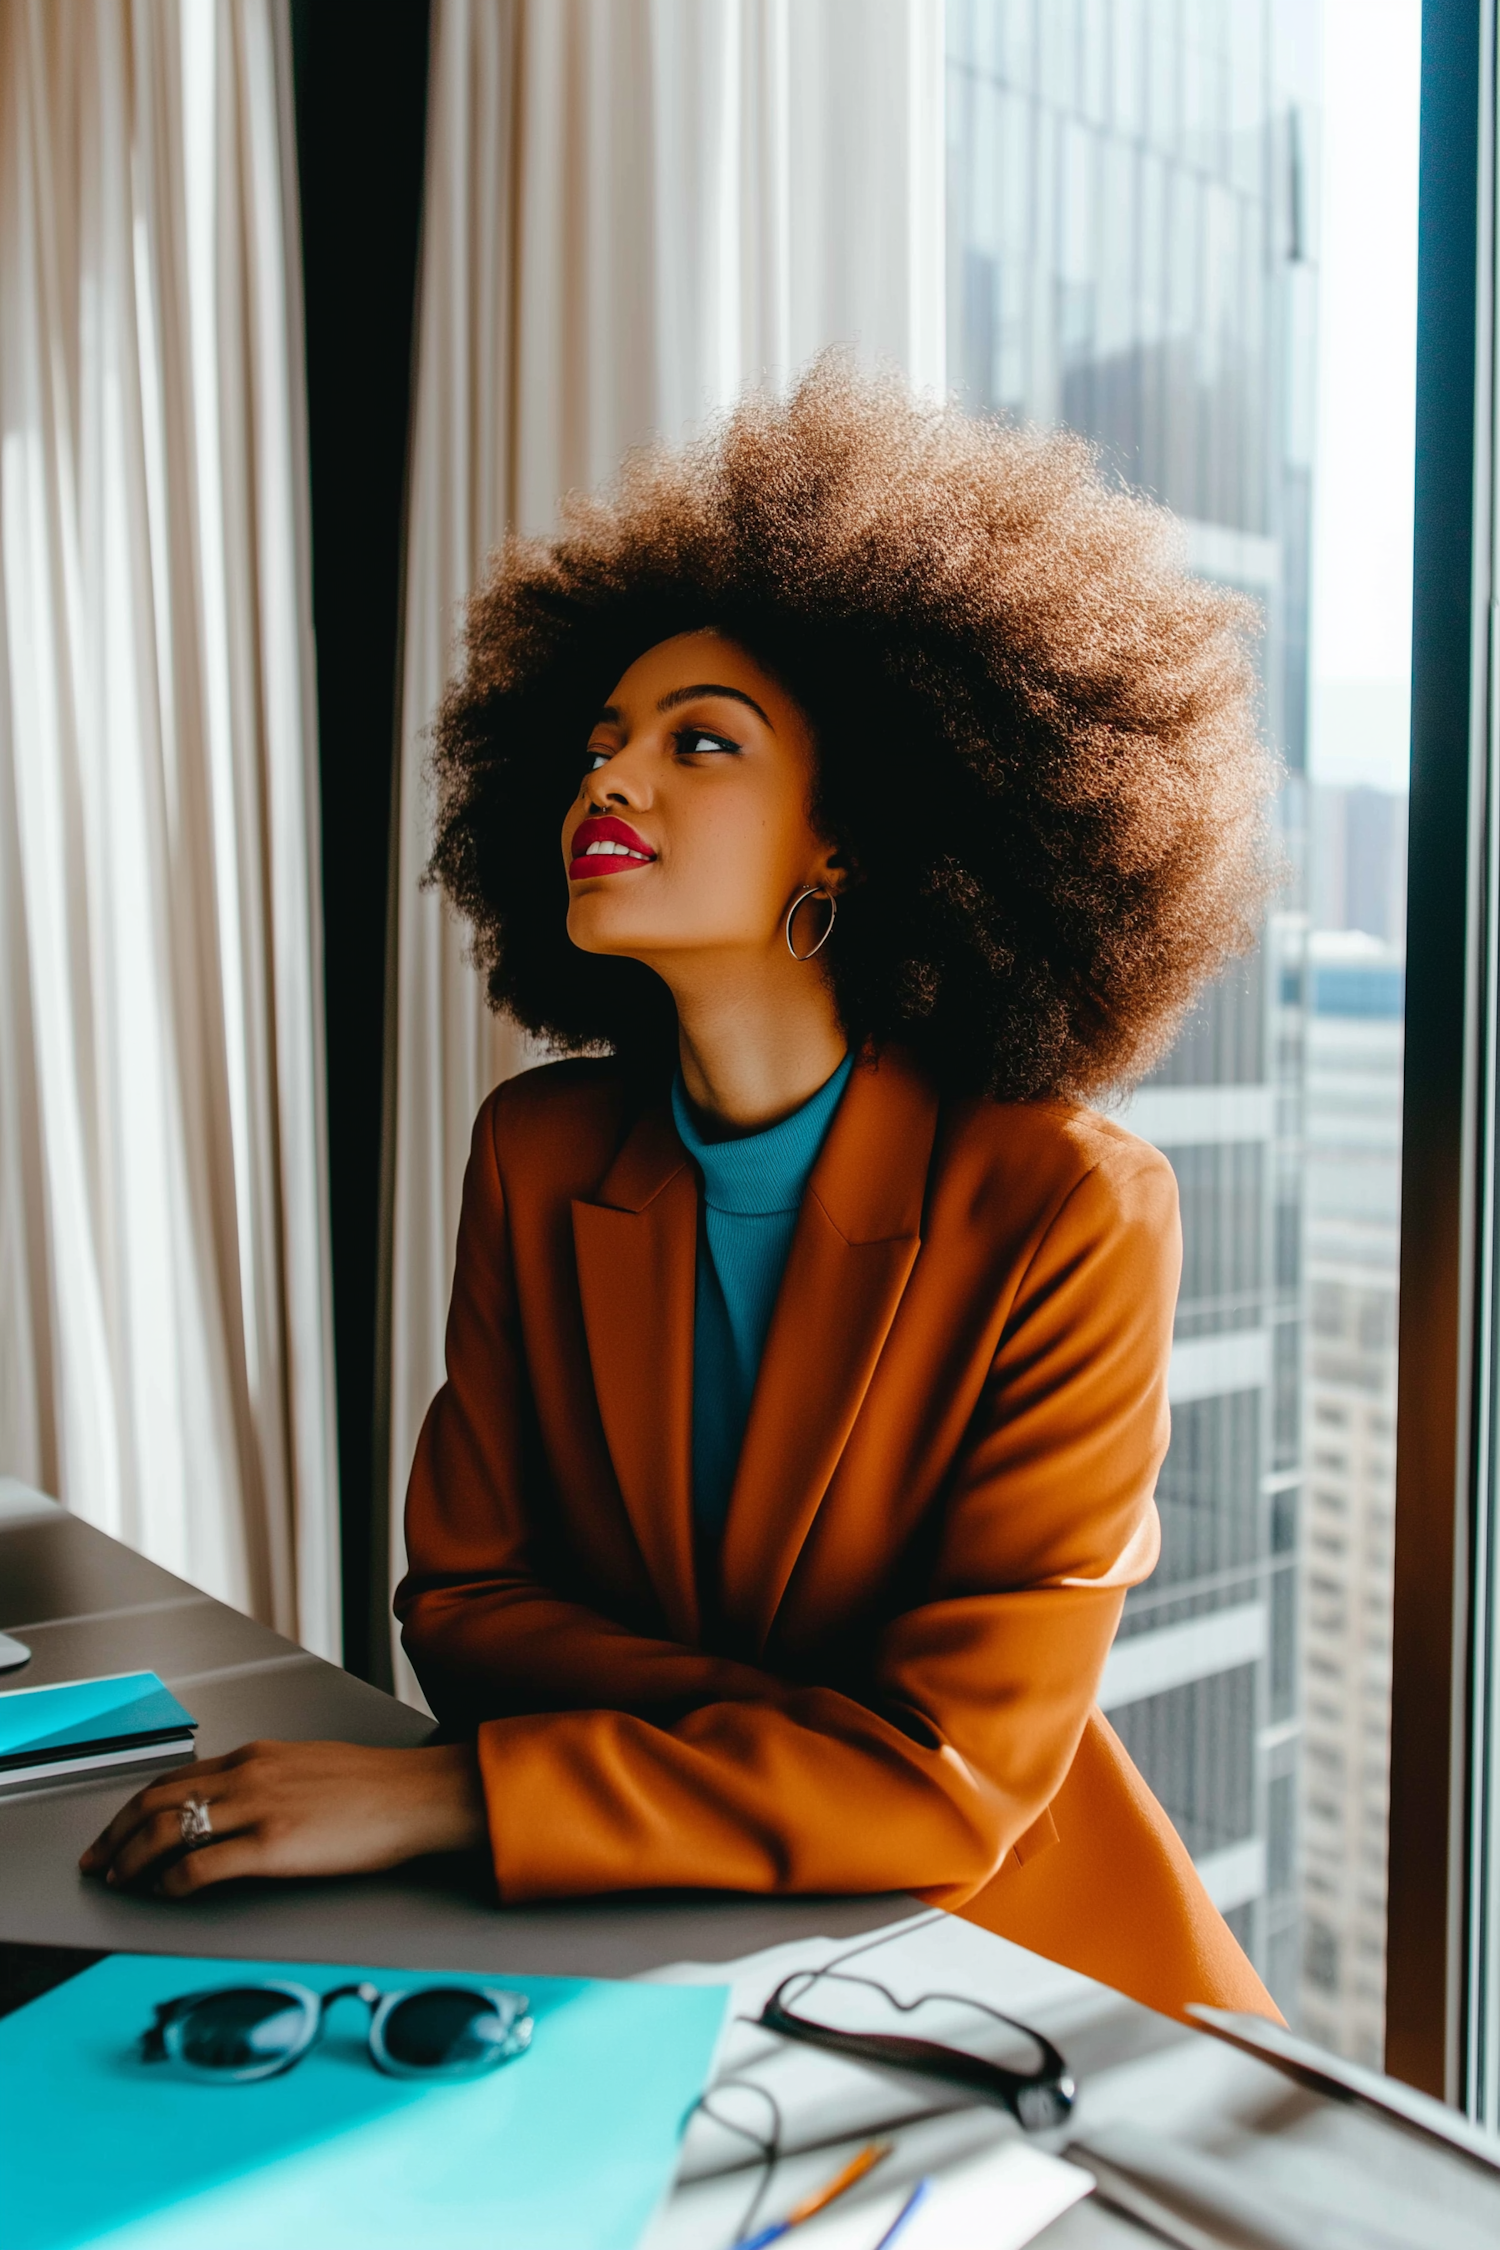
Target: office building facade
(1352,1186)
(1129,257)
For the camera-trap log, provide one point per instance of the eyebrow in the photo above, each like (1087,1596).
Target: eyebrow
(612,716)
(711,687)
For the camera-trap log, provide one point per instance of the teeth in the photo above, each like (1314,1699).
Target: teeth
(612,851)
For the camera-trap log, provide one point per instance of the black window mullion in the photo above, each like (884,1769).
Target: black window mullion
(1446,1271)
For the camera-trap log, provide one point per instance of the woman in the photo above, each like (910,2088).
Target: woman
(808,1345)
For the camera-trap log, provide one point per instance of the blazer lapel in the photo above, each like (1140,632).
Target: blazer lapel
(857,1238)
(636,1245)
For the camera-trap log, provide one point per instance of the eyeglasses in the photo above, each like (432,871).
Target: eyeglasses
(240,2032)
(1038,2098)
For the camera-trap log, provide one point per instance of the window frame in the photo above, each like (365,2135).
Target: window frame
(1440,2006)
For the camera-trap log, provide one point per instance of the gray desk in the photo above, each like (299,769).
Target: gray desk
(85,1604)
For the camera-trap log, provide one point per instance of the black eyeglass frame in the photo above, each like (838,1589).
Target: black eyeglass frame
(162,2042)
(1039,2100)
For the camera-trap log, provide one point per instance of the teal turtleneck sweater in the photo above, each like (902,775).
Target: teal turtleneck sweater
(752,1190)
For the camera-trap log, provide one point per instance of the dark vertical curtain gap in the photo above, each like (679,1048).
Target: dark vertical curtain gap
(361,86)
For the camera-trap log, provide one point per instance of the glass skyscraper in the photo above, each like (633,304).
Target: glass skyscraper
(1129,257)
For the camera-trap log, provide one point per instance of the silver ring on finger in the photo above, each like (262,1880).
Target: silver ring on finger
(194,1822)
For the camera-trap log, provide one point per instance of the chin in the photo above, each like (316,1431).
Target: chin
(595,928)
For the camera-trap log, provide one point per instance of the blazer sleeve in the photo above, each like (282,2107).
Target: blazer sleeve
(655,1765)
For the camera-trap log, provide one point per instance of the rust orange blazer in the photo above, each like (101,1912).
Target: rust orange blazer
(945,1488)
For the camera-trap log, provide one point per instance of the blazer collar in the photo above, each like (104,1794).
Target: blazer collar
(871,1173)
(636,1245)
(649,1157)
(857,1236)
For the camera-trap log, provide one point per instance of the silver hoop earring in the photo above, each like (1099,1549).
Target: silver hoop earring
(814,890)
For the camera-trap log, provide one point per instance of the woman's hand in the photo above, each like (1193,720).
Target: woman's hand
(293,1808)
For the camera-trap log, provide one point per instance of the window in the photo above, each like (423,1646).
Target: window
(1187,228)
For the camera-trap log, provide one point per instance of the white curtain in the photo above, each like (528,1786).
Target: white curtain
(633,209)
(165,1356)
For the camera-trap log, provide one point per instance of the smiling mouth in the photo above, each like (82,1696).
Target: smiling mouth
(606,847)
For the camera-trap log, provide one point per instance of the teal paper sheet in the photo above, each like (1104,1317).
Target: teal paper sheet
(569,2147)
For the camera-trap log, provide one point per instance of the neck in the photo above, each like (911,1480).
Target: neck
(755,1049)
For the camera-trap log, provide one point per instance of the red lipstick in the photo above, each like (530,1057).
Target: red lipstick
(603,845)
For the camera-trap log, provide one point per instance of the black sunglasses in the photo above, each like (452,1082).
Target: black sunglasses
(240,2032)
(1038,2099)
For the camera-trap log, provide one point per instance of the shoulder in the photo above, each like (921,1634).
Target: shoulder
(577,1092)
(558,1125)
(1062,1137)
(578,1085)
(1052,1155)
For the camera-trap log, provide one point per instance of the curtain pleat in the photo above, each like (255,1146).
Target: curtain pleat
(165,1330)
(633,209)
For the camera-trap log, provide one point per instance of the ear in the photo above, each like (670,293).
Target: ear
(835,869)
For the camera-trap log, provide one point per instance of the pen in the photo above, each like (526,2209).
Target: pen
(918,2195)
(869,2156)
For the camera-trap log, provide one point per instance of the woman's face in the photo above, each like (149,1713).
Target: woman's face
(690,830)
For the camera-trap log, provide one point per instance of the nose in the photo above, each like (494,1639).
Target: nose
(622,782)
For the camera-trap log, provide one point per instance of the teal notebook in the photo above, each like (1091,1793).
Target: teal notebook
(89,1726)
(569,2147)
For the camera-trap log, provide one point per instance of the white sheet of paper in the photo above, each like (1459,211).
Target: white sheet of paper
(994,2202)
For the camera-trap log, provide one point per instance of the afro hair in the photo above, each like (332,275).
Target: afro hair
(1035,731)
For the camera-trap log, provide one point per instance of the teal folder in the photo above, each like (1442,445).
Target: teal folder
(89,1723)
(570,2147)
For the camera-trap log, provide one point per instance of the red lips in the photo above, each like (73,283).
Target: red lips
(603,828)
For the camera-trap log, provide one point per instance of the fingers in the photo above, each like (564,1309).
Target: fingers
(295,1809)
(142,1808)
(160,1839)
(214,1863)
(168,1794)
(152,1839)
